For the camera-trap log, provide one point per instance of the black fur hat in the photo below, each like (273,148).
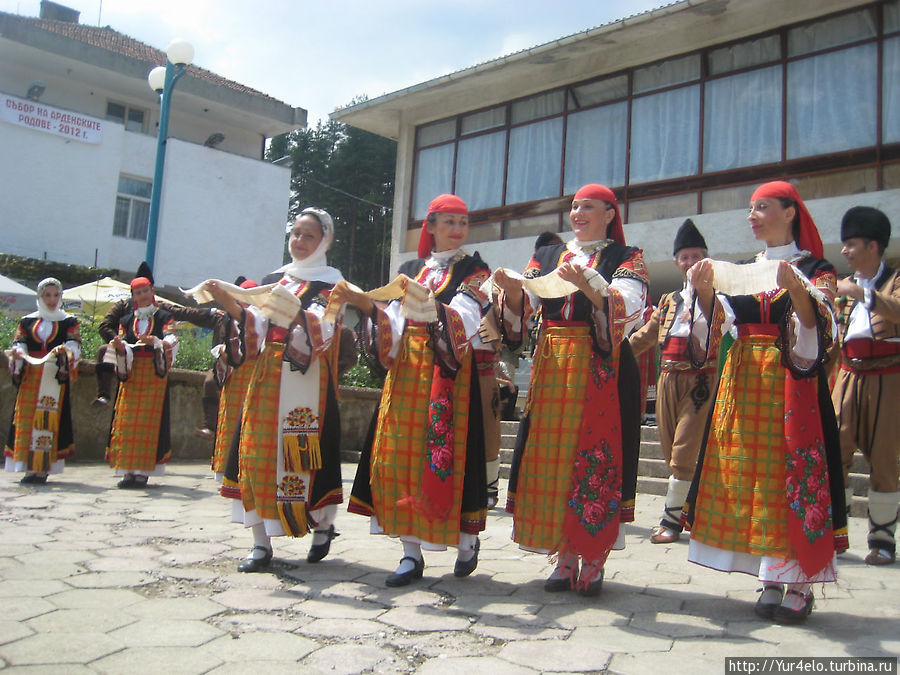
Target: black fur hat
(688,236)
(864,221)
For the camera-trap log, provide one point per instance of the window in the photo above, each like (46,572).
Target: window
(131,118)
(479,170)
(820,115)
(665,132)
(696,130)
(742,120)
(132,214)
(595,146)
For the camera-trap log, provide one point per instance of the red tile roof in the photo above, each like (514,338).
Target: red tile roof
(119,43)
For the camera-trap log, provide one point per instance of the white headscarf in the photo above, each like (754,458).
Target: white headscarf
(43,311)
(315,266)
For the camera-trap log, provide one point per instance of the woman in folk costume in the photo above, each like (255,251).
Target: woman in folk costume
(143,351)
(233,370)
(40,438)
(284,470)
(422,479)
(767,498)
(574,468)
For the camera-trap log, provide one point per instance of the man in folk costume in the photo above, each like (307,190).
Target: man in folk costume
(867,386)
(142,353)
(108,328)
(684,390)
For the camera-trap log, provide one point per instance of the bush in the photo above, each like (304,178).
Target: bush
(361,376)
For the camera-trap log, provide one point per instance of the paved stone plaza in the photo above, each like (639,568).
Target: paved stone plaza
(95,579)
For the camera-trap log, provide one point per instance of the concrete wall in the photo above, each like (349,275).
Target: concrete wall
(92,425)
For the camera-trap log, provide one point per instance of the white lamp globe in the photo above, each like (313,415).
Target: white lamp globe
(156,78)
(180,52)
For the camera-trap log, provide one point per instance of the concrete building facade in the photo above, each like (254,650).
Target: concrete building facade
(78,126)
(682,110)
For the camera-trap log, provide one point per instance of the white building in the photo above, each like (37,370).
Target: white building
(79,156)
(682,110)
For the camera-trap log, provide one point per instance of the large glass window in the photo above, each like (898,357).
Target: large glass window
(832,102)
(840,30)
(744,54)
(479,172)
(534,161)
(665,135)
(595,146)
(132,214)
(667,73)
(891,97)
(742,120)
(434,176)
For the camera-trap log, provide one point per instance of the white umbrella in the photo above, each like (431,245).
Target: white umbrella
(95,299)
(16,299)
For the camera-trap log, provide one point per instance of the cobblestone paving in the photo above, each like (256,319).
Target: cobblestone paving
(99,580)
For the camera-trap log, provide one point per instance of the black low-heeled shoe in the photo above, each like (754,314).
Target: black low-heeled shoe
(28,479)
(464,568)
(319,551)
(786,615)
(560,584)
(127,482)
(256,564)
(404,578)
(593,588)
(765,608)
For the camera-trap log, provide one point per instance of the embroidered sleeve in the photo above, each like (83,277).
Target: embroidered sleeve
(448,340)
(633,268)
(73,342)
(803,350)
(627,299)
(379,335)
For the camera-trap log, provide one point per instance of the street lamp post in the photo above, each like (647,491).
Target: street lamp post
(162,80)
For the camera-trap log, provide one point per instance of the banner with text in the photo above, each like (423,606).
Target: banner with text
(48,119)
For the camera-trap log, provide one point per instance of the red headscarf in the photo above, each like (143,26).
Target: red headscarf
(808,238)
(249,283)
(140,282)
(603,193)
(440,204)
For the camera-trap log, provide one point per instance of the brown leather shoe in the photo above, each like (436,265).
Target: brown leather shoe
(663,535)
(880,556)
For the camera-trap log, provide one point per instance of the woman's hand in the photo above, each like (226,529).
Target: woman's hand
(574,274)
(344,295)
(512,289)
(117,344)
(224,299)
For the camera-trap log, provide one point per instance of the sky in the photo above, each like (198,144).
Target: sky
(320,55)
